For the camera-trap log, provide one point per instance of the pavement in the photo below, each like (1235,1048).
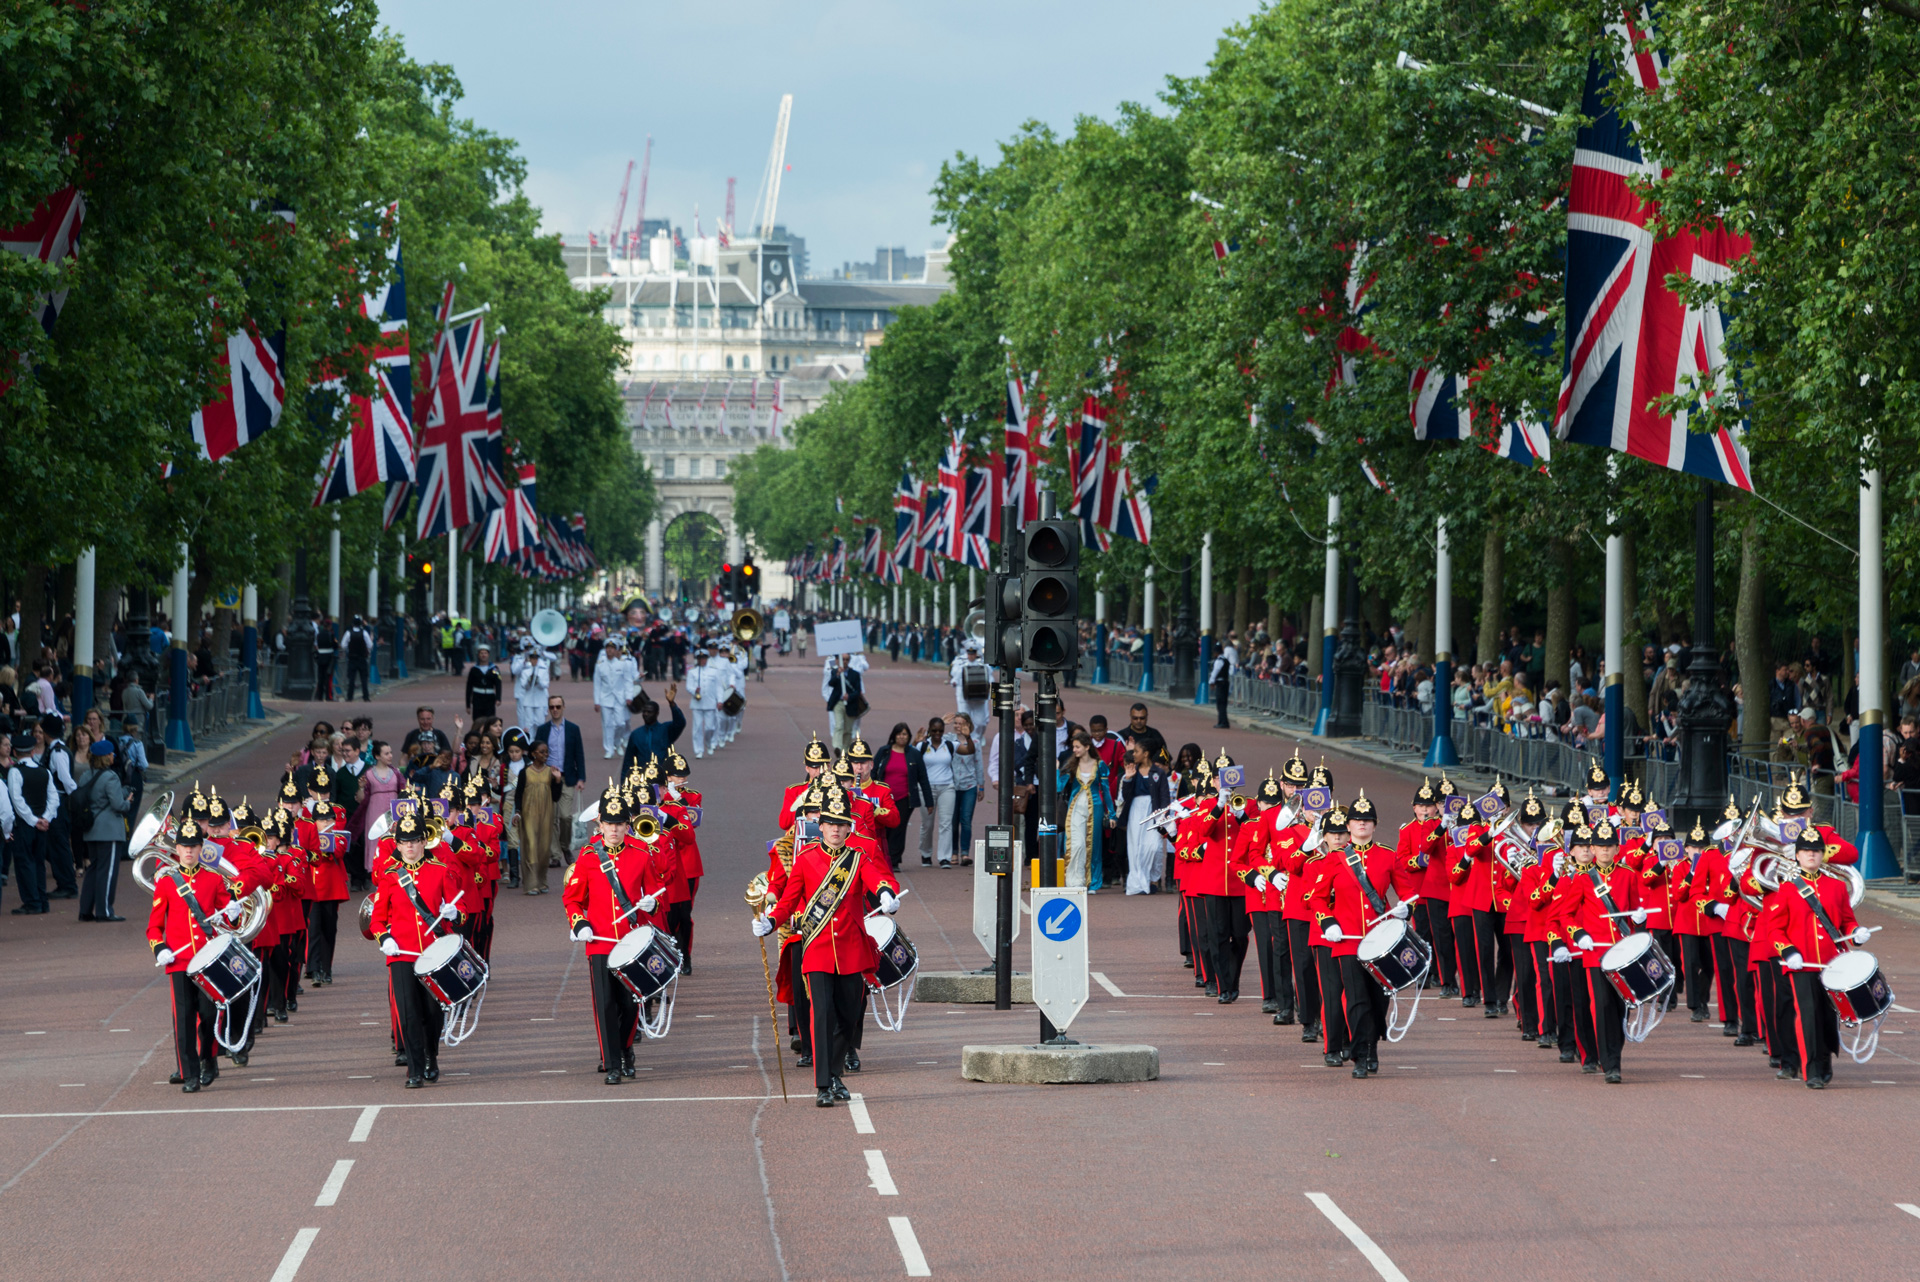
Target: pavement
(1467,1156)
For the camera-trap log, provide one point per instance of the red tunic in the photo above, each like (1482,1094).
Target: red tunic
(1216,830)
(1798,929)
(1588,911)
(394,915)
(842,946)
(171,924)
(1336,896)
(329,866)
(589,898)
(1253,855)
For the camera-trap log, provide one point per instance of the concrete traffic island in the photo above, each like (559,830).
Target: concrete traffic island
(963,987)
(1047,1065)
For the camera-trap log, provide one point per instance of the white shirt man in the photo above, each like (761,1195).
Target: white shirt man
(706,687)
(615,678)
(531,675)
(957,678)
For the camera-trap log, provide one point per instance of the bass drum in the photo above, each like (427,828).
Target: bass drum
(366,917)
(645,961)
(1393,954)
(224,969)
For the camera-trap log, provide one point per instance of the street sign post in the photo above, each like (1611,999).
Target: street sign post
(1060,953)
(986,887)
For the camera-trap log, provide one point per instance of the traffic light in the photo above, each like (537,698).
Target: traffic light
(749,583)
(1003,611)
(729,583)
(1050,596)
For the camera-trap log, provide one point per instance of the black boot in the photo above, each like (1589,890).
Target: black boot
(840,1090)
(824,1099)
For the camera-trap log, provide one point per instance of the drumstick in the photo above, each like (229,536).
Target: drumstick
(897,898)
(1631,911)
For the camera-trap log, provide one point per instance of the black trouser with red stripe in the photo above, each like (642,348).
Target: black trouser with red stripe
(1270,956)
(837,1002)
(800,1008)
(1583,1010)
(1741,984)
(193,1045)
(1723,975)
(1354,1006)
(1609,1019)
(1467,953)
(1546,1006)
(323,923)
(1430,919)
(1526,985)
(1566,1021)
(615,1015)
(1226,918)
(1496,956)
(1814,1033)
(1767,1006)
(1306,975)
(421,1018)
(680,926)
(1696,958)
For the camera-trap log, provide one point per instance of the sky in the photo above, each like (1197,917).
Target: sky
(883,92)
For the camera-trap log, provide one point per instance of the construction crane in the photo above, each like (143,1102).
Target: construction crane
(726,228)
(619,212)
(776,165)
(640,215)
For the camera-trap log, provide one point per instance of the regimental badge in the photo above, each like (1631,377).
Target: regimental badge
(1669,849)
(237,966)
(1878,987)
(1657,967)
(1317,798)
(466,970)
(1409,957)
(656,965)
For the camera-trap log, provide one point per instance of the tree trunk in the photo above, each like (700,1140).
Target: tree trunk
(1420,632)
(1561,614)
(1493,561)
(1633,678)
(106,610)
(1837,692)
(33,607)
(1273,604)
(1136,603)
(222,632)
(1752,646)
(1316,627)
(1242,590)
(282,598)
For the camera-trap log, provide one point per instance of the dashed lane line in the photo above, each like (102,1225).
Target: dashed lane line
(364,1127)
(862,1120)
(296,1255)
(879,1178)
(336,1180)
(1356,1235)
(1909,1208)
(910,1253)
(1113,989)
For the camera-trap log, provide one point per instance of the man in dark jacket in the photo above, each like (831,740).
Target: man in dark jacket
(650,739)
(483,686)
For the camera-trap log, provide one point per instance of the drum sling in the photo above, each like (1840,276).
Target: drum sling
(1601,889)
(611,871)
(1358,867)
(429,920)
(1806,891)
(184,887)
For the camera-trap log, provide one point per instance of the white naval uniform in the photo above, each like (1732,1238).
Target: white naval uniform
(706,686)
(614,681)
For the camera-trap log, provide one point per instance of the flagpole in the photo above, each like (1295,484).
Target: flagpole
(1877,856)
(250,649)
(83,593)
(1440,750)
(1615,742)
(179,728)
(1146,627)
(1331,595)
(453,574)
(333,570)
(1202,691)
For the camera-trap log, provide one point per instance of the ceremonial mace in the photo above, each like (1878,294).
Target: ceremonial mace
(757,900)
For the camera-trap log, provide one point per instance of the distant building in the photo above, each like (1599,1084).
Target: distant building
(889,264)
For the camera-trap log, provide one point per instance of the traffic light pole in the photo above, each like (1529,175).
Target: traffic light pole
(1046,707)
(1006,698)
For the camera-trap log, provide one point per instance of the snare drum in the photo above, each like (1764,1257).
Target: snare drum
(451,970)
(224,968)
(898,957)
(1394,955)
(1856,987)
(1638,969)
(645,961)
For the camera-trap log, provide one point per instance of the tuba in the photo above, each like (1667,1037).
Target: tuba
(747,624)
(1856,881)
(154,827)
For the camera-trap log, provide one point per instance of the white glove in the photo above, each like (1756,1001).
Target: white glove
(1590,943)
(762,926)
(1400,911)
(164,957)
(1718,910)
(888,903)
(233,910)
(582,933)
(1861,935)
(1560,954)
(390,946)
(1638,916)
(448,911)
(1794,962)
(1332,934)
(647,902)
(1260,882)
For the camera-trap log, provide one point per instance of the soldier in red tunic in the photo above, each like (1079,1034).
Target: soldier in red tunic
(1598,899)
(825,901)
(1349,899)
(412,908)
(1815,926)
(188,902)
(613,888)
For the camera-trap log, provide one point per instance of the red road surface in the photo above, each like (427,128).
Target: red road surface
(1472,1155)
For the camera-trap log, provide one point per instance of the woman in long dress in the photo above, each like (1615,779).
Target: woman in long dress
(1144,788)
(379,784)
(1083,802)
(537,795)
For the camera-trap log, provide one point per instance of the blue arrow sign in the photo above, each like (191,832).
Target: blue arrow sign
(1059,920)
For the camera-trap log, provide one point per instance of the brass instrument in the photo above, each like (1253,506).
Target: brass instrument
(1760,846)
(646,827)
(747,624)
(1856,882)
(381,825)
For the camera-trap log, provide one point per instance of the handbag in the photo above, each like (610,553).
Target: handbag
(1022,797)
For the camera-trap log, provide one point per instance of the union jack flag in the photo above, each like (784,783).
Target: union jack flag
(1105,496)
(451,469)
(49,235)
(909,510)
(250,400)
(379,443)
(870,557)
(1029,439)
(1631,339)
(493,452)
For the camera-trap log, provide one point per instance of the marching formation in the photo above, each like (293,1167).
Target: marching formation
(1584,927)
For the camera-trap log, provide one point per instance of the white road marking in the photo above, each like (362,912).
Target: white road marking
(295,1256)
(862,1120)
(909,1247)
(119,1030)
(359,1077)
(64,1085)
(1877,1082)
(337,1108)
(542,1019)
(1698,1077)
(364,1127)
(38,1032)
(369,1023)
(1909,1208)
(1113,989)
(553,1070)
(1506,1070)
(1904,1010)
(1212,1063)
(1375,1256)
(879,1179)
(330,1191)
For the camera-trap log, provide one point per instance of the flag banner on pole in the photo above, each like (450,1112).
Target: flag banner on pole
(379,442)
(1632,340)
(1022,456)
(493,452)
(49,235)
(773,409)
(451,468)
(251,397)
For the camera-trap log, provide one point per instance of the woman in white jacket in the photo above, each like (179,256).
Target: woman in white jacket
(615,677)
